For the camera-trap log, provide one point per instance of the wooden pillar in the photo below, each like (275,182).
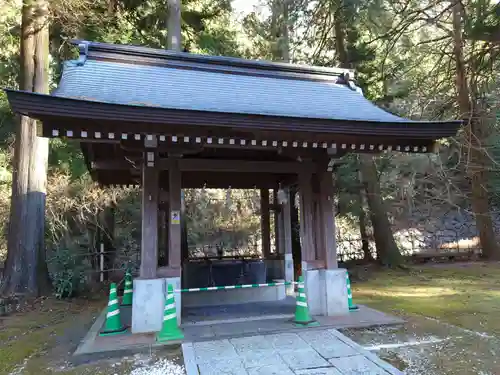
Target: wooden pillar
(162,256)
(174,218)
(184,229)
(163,229)
(278,224)
(319,249)
(318,229)
(287,235)
(265,223)
(281,232)
(328,216)
(295,225)
(306,217)
(287,223)
(149,240)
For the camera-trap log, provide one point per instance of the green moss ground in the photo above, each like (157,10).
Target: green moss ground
(451,313)
(464,295)
(41,340)
(28,336)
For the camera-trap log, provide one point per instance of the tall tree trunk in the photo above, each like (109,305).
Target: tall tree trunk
(280,38)
(276,29)
(285,39)
(475,154)
(387,250)
(340,35)
(281,51)
(174,25)
(26,269)
(174,43)
(365,245)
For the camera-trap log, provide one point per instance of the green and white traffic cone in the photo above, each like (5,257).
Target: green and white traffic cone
(352,306)
(128,290)
(169,331)
(113,325)
(302,316)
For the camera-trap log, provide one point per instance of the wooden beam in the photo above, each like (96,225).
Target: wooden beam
(149,235)
(133,146)
(115,165)
(194,148)
(290,152)
(213,165)
(107,117)
(193,180)
(243,166)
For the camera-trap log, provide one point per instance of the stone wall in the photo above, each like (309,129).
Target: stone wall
(419,231)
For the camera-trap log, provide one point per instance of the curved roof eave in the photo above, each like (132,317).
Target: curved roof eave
(43,106)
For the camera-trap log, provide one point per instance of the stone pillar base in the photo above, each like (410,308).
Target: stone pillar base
(326,291)
(289,274)
(280,289)
(147,305)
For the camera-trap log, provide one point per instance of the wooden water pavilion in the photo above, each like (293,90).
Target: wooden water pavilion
(169,120)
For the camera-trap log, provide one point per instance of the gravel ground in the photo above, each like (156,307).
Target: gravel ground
(159,367)
(162,361)
(430,347)
(155,363)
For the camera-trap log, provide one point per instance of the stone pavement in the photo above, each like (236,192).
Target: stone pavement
(308,352)
(229,323)
(223,322)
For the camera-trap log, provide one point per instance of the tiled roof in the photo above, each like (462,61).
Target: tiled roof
(158,91)
(216,91)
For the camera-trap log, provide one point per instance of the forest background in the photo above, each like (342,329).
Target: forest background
(427,60)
